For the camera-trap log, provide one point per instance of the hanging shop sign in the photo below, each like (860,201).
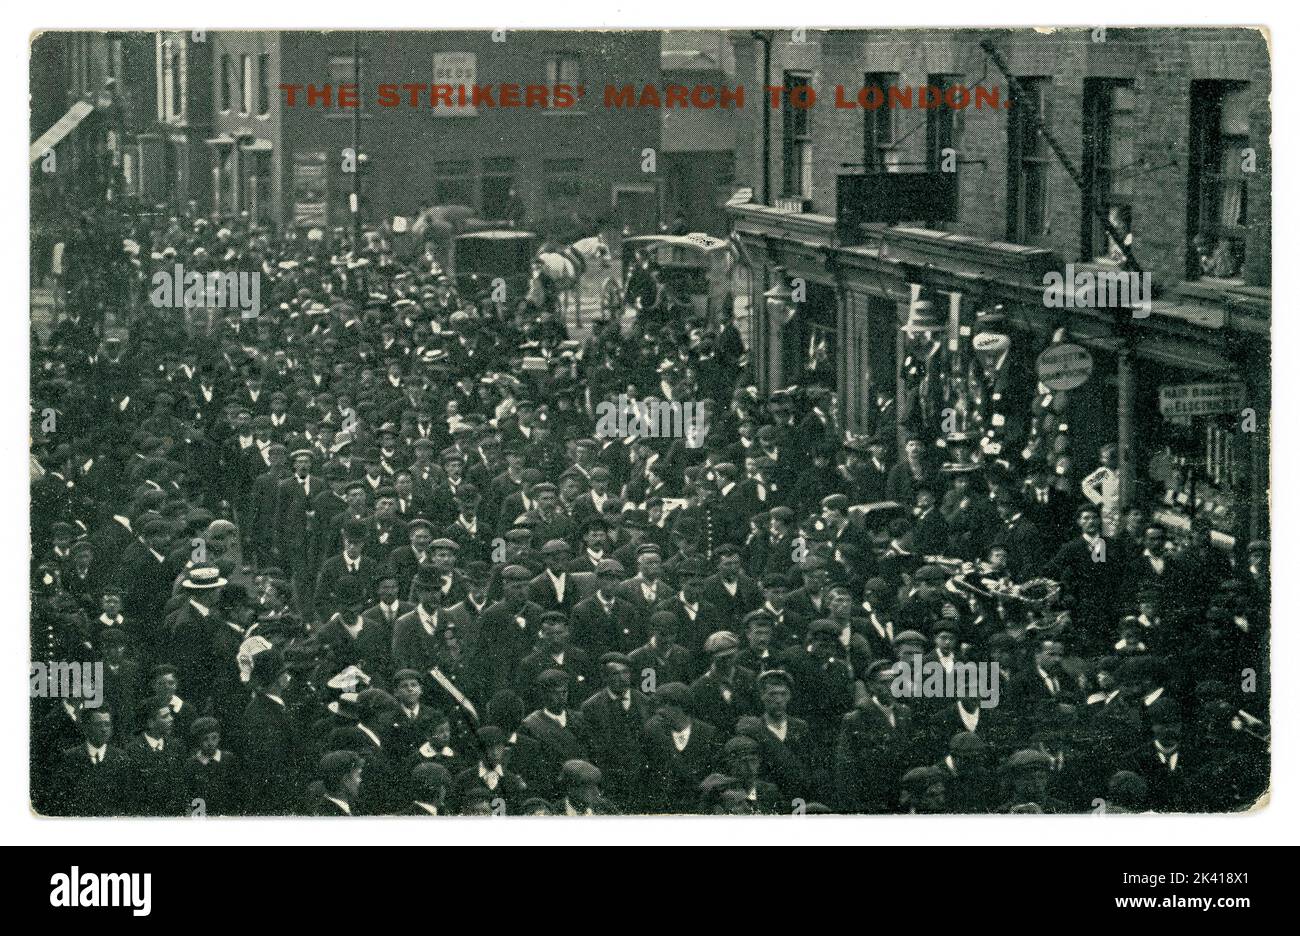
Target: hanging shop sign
(1202,399)
(1064,367)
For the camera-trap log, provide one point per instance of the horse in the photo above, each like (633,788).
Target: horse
(559,273)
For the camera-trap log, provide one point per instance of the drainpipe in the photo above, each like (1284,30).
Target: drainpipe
(766,39)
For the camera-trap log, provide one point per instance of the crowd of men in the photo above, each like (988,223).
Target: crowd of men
(365,553)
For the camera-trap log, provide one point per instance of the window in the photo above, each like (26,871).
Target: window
(342,73)
(563,184)
(453,183)
(115,63)
(246,73)
(562,68)
(263,84)
(494,188)
(174,79)
(1108,166)
(796,139)
(879,126)
(86,67)
(225,81)
(1218,209)
(940,123)
(1028,160)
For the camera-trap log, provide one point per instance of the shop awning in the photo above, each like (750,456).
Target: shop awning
(55,135)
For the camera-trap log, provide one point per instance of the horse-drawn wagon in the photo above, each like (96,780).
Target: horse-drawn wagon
(695,269)
(480,257)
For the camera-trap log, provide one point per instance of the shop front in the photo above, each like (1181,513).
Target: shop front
(950,338)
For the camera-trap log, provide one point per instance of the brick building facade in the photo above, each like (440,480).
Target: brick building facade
(1168,132)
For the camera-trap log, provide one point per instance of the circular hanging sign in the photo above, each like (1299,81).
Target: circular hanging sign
(1064,367)
(992,342)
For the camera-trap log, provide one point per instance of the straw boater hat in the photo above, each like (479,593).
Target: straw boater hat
(203,578)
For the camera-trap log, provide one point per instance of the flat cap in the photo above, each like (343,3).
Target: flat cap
(677,694)
(721,643)
(740,745)
(552,678)
(775,677)
(578,772)
(610,567)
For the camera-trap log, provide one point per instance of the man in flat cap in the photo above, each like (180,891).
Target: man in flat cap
(726,691)
(423,638)
(545,516)
(556,588)
(605,621)
(351,572)
(405,560)
(661,656)
(340,778)
(647,588)
(968,763)
(729,589)
(581,782)
(466,614)
(790,758)
(615,715)
(1029,772)
(743,760)
(558,729)
(874,746)
(296,521)
(468,530)
(680,751)
(554,651)
(923,792)
(508,630)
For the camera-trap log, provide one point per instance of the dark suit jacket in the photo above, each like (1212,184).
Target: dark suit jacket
(270,752)
(676,666)
(692,634)
(503,642)
(708,703)
(336,586)
(465,619)
(157,787)
(673,776)
(577,586)
(80,788)
(577,663)
(622,630)
(558,744)
(614,740)
(295,518)
(748,597)
(871,756)
(631,591)
(416,648)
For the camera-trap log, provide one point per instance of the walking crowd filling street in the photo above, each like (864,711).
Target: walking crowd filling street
(352,556)
(340,530)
